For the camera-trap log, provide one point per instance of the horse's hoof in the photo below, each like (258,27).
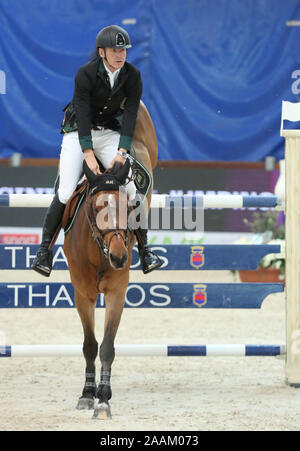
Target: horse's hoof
(102,411)
(85,403)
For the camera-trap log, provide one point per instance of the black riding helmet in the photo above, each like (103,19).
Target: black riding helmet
(114,37)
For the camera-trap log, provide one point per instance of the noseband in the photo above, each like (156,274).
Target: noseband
(99,235)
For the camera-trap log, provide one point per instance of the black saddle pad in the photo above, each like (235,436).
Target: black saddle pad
(142,177)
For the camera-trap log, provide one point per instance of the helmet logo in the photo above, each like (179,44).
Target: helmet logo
(120,40)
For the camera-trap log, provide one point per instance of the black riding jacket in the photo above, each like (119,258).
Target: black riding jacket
(95,104)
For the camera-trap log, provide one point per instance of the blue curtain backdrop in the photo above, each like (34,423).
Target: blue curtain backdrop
(214,71)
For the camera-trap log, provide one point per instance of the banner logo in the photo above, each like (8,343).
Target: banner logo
(200,294)
(197,256)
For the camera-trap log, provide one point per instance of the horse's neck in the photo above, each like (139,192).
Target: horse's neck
(145,134)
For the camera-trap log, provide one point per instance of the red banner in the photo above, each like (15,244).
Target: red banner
(19,238)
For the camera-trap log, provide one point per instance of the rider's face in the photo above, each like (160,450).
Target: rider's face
(115,58)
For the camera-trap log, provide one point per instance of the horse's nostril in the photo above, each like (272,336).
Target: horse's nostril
(118,262)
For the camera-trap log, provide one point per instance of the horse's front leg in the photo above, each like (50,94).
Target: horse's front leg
(86,310)
(114,308)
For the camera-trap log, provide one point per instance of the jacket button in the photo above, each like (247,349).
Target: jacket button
(105,108)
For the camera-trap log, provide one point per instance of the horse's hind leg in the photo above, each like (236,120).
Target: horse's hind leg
(86,310)
(113,313)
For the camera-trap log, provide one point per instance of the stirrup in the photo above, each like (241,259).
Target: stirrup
(43,270)
(152,267)
(155,262)
(43,267)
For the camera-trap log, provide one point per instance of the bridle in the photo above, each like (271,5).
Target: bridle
(97,234)
(108,182)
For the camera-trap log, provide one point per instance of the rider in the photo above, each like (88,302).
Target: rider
(95,126)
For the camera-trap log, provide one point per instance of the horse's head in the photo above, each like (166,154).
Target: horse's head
(107,212)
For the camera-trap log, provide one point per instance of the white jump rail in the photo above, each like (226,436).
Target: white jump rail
(146,350)
(160,201)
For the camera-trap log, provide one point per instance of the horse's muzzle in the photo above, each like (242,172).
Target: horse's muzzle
(118,262)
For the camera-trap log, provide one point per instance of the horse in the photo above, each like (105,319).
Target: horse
(103,267)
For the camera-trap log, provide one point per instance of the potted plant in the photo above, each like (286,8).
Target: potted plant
(267,228)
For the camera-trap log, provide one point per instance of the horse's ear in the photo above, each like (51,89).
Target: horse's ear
(90,175)
(123,172)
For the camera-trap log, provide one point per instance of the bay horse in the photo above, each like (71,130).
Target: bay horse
(92,272)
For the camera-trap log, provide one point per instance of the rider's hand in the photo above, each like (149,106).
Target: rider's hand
(118,158)
(91,161)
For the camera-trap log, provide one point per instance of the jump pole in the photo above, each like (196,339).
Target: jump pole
(160,201)
(291,113)
(147,350)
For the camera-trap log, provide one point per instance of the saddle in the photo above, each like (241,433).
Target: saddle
(74,202)
(73,205)
(70,211)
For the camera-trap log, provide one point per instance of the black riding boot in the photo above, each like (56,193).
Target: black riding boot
(43,260)
(149,260)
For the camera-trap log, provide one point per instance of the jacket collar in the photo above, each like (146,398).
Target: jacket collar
(120,80)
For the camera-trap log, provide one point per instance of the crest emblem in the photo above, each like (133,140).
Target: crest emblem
(140,179)
(200,294)
(197,256)
(120,40)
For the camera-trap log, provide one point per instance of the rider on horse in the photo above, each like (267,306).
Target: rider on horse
(99,124)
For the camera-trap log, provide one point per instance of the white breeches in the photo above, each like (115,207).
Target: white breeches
(105,143)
